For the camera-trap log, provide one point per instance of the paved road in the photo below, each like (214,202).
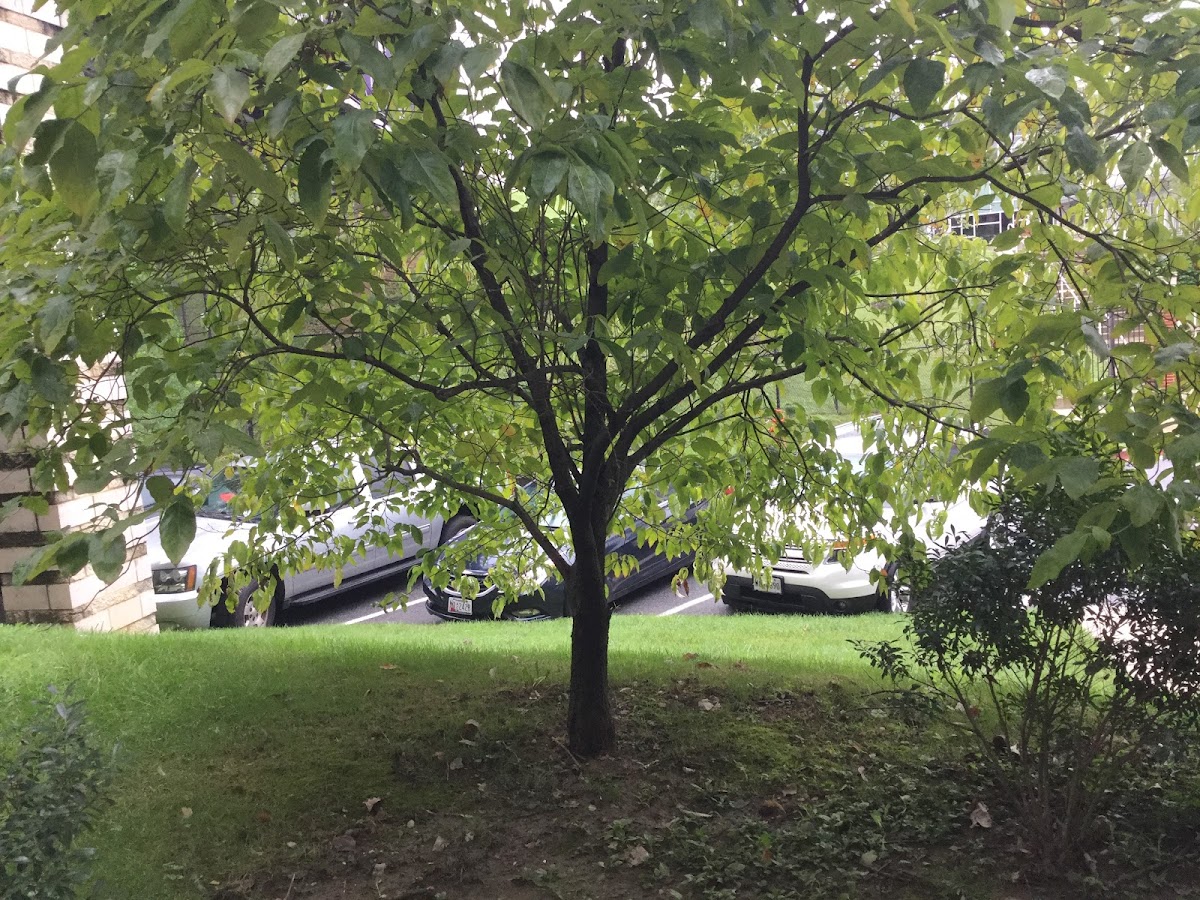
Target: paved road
(363,605)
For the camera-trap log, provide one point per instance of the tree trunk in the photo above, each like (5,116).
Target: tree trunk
(590,727)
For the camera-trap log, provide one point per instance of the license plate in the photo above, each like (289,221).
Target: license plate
(774,587)
(462,607)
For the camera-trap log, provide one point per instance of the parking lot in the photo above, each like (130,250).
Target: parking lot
(353,608)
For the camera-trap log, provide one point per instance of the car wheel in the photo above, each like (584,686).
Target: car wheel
(456,525)
(898,599)
(245,614)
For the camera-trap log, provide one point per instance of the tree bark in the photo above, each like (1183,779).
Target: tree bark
(591,730)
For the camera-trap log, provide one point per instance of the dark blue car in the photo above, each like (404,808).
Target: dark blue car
(548,601)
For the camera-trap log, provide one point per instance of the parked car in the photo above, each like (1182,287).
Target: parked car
(797,584)
(177,588)
(834,584)
(548,600)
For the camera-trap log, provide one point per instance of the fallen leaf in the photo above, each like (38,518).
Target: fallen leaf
(344,843)
(291,844)
(740,665)
(980,817)
(456,763)
(705,704)
(492,672)
(637,855)
(379,869)
(263,816)
(862,772)
(771,809)
(388,666)
(705,665)
(868,858)
(690,656)
(439,844)
(470,730)
(186,812)
(372,804)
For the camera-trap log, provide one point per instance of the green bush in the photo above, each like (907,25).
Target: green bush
(1074,689)
(52,787)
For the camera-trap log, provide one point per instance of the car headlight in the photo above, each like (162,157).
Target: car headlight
(174,581)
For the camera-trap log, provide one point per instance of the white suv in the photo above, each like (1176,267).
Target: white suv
(372,502)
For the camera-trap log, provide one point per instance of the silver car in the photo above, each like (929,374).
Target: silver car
(372,502)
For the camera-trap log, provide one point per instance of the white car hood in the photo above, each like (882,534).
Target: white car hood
(213,538)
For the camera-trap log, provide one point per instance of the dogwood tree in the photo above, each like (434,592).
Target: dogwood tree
(582,242)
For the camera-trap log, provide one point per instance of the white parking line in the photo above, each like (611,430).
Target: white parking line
(384,612)
(682,606)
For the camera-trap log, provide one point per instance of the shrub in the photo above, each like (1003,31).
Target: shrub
(52,787)
(1070,688)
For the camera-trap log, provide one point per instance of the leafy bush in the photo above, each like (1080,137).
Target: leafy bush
(51,790)
(1070,687)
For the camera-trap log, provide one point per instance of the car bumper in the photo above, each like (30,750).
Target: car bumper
(740,592)
(182,610)
(528,608)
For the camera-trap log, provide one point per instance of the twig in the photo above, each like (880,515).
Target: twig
(567,750)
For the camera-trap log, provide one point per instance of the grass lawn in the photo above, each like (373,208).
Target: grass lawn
(755,762)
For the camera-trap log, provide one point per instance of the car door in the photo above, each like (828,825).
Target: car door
(391,494)
(344,512)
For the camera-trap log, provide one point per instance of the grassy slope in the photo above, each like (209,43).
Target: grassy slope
(269,736)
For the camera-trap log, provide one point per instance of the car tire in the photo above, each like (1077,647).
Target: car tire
(456,525)
(245,614)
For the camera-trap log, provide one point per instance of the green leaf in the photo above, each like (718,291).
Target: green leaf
(1077,474)
(30,567)
(1014,399)
(1065,551)
(353,132)
(1134,164)
(178,194)
(177,527)
(546,171)
(229,92)
(353,347)
(1082,152)
(73,168)
(591,191)
(106,553)
(314,182)
(431,170)
(48,381)
(793,347)
(923,81)
(1170,157)
(161,488)
(1143,503)
(526,93)
(281,54)
(250,169)
(285,250)
(1051,80)
(54,321)
(857,205)
(987,398)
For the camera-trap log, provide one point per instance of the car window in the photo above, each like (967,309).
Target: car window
(386,482)
(221,493)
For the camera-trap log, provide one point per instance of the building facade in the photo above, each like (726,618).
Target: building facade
(82,600)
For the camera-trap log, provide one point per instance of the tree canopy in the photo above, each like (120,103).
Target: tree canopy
(583,242)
